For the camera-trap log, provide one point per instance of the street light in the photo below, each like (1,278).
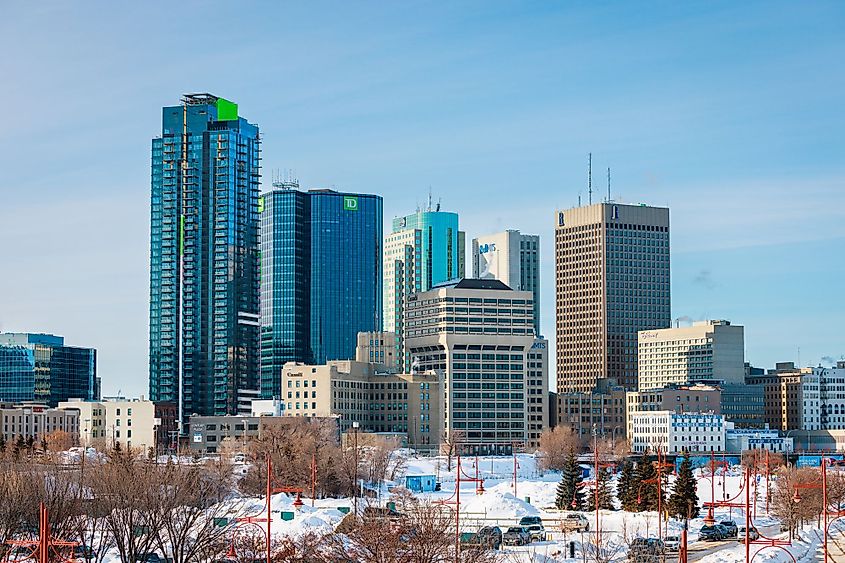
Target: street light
(355,485)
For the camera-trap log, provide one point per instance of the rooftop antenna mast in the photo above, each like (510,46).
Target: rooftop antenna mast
(429,197)
(608,184)
(590,176)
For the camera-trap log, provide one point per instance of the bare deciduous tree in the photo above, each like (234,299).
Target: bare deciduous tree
(450,442)
(556,444)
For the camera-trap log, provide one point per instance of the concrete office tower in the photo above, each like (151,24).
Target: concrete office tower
(707,352)
(612,280)
(480,334)
(320,276)
(378,348)
(423,249)
(40,368)
(513,259)
(204,256)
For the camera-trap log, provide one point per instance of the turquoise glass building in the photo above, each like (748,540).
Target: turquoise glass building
(204,286)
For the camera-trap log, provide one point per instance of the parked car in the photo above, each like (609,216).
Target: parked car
(730,525)
(538,532)
(517,535)
(488,537)
(672,543)
(724,531)
(752,535)
(151,557)
(710,533)
(574,523)
(530,520)
(646,550)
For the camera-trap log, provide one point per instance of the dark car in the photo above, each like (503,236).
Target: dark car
(150,558)
(646,550)
(517,535)
(726,533)
(730,525)
(710,533)
(530,521)
(489,537)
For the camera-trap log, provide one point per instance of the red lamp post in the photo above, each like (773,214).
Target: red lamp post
(45,549)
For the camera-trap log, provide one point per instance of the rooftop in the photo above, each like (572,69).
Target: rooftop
(472,283)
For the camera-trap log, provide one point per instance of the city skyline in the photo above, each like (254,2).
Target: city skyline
(498,118)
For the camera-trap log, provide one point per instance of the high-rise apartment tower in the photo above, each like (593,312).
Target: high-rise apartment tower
(204,257)
(612,280)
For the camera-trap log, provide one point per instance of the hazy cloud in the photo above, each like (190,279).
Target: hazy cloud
(704,278)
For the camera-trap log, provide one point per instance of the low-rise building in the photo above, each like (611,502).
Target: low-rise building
(743,405)
(677,432)
(214,434)
(676,398)
(36,421)
(738,440)
(380,402)
(603,411)
(130,422)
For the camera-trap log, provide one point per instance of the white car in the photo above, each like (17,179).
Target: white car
(672,543)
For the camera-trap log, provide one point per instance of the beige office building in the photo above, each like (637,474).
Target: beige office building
(379,348)
(380,402)
(131,422)
(612,281)
(709,352)
(480,334)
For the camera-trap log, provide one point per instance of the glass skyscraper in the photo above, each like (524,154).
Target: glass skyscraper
(204,286)
(40,368)
(320,276)
(424,249)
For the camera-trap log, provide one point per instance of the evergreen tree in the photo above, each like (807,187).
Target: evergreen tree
(605,495)
(30,444)
(625,486)
(684,496)
(645,495)
(18,447)
(569,487)
(43,444)
(2,444)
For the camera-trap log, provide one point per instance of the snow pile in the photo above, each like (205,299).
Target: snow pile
(541,493)
(502,505)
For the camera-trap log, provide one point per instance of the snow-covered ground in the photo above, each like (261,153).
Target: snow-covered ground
(535,491)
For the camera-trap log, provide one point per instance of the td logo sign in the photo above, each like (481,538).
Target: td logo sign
(350,203)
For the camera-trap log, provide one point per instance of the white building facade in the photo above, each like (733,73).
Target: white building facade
(707,352)
(480,334)
(130,422)
(738,440)
(512,258)
(823,398)
(37,421)
(676,432)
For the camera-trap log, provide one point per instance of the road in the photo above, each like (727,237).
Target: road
(699,550)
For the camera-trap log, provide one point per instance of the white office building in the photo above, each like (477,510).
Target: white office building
(707,352)
(738,440)
(823,398)
(480,334)
(677,432)
(513,259)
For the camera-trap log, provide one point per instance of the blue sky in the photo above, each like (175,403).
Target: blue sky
(730,113)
